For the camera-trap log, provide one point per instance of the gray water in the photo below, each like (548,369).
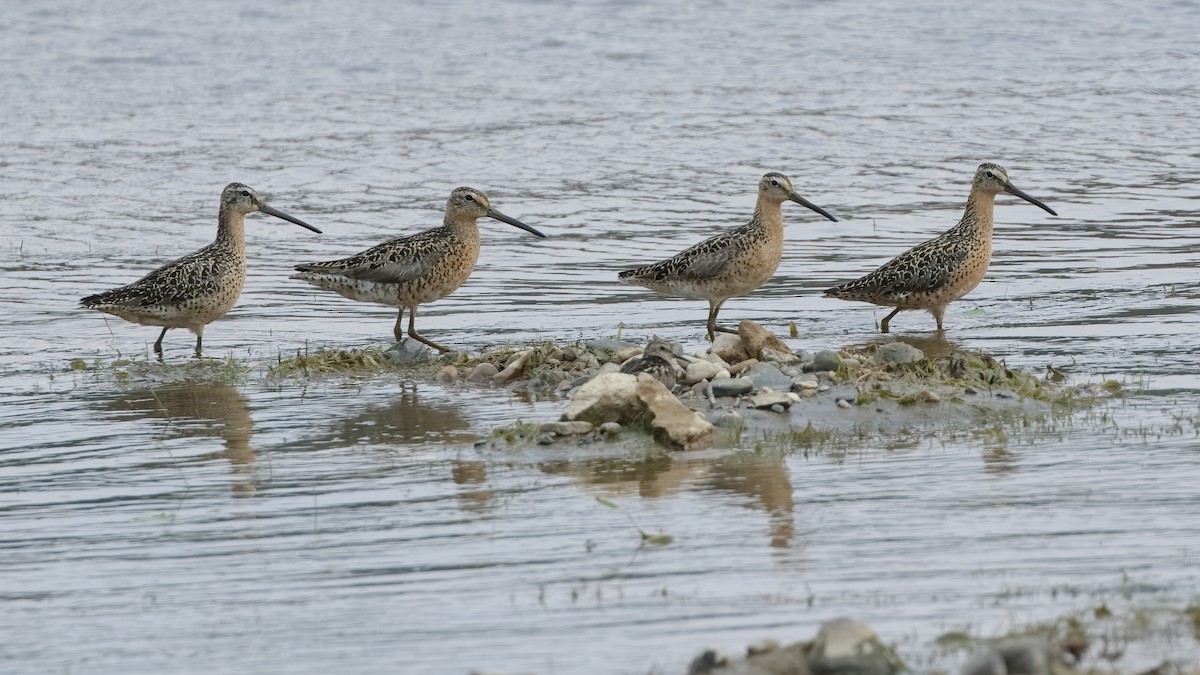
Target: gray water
(350,525)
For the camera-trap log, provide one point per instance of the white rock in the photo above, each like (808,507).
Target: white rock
(483,372)
(729,348)
(775,356)
(768,398)
(672,423)
(611,397)
(513,370)
(626,354)
(701,370)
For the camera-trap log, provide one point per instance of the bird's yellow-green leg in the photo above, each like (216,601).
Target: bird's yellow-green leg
(398,329)
(883,325)
(412,332)
(713,328)
(158,342)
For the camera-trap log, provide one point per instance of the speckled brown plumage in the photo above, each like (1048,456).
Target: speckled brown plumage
(658,360)
(198,288)
(732,263)
(410,271)
(932,275)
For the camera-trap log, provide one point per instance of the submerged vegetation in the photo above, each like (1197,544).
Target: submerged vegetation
(307,363)
(881,402)
(1101,639)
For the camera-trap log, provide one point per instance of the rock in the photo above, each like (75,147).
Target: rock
(844,403)
(1028,656)
(898,352)
(849,647)
(774,356)
(760,660)
(800,384)
(741,365)
(823,388)
(1005,394)
(611,397)
(737,386)
(706,663)
(730,420)
(928,396)
(701,370)
(623,355)
(407,352)
(545,439)
(770,399)
(608,345)
(756,338)
(827,360)
(609,368)
(552,378)
(851,362)
(671,422)
(985,663)
(778,408)
(1025,656)
(729,348)
(768,375)
(566,428)
(447,374)
(483,372)
(513,370)
(610,428)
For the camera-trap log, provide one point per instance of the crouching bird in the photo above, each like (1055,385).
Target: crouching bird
(658,360)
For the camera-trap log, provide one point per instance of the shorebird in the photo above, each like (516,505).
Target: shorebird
(410,271)
(658,360)
(198,288)
(732,263)
(938,272)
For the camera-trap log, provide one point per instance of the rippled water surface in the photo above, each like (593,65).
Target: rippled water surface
(351,525)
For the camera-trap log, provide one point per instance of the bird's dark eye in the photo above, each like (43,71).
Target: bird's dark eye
(470,198)
(245,193)
(775,183)
(990,174)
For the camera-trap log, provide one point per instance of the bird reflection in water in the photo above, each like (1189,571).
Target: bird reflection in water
(471,476)
(408,420)
(935,345)
(763,478)
(201,410)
